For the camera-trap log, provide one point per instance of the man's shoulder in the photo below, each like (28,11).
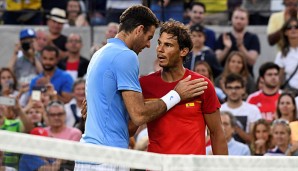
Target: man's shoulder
(193,74)
(150,76)
(255,95)
(209,31)
(250,34)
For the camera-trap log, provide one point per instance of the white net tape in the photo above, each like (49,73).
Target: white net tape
(56,148)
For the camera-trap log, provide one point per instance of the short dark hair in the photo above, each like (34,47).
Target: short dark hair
(234,78)
(199,4)
(266,66)
(51,49)
(179,30)
(137,15)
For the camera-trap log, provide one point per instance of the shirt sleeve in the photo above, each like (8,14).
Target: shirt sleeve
(210,100)
(279,61)
(128,71)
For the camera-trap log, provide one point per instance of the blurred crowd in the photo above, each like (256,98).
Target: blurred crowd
(44,79)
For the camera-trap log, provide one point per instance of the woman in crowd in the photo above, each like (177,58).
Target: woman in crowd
(281,134)
(8,82)
(203,68)
(261,138)
(236,63)
(286,107)
(287,58)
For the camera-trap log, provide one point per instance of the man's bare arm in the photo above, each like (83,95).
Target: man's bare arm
(142,112)
(217,136)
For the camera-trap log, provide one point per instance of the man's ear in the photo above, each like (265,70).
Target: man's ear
(184,52)
(139,29)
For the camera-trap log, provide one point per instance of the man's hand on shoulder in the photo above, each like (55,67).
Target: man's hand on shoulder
(188,88)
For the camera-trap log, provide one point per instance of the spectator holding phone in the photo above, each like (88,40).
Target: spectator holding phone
(8,83)
(12,119)
(55,80)
(27,66)
(36,113)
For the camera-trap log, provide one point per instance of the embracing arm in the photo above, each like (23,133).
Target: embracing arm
(142,112)
(218,140)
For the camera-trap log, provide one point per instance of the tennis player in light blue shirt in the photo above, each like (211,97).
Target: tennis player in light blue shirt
(112,69)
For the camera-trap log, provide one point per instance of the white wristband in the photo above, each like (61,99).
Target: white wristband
(171,99)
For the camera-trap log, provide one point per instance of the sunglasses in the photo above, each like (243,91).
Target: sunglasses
(280,121)
(290,27)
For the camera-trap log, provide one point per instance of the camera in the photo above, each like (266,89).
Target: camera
(25,46)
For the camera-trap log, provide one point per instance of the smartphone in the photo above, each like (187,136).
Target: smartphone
(7,101)
(36,94)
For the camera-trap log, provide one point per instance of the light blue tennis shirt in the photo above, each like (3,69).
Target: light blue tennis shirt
(112,69)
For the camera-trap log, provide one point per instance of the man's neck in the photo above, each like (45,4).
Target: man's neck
(49,73)
(270,91)
(197,49)
(72,57)
(234,104)
(125,38)
(172,74)
(54,36)
(236,32)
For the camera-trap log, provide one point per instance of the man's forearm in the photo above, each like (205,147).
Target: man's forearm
(219,144)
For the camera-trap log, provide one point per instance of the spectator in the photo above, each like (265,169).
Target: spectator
(23,12)
(97,10)
(261,138)
(27,66)
(75,15)
(200,52)
(56,19)
(75,64)
(41,41)
(236,64)
(204,69)
(278,19)
(286,107)
(8,83)
(235,148)
(53,78)
(74,107)
(35,112)
(239,39)
(33,163)
(281,134)
(259,11)
(245,113)
(266,98)
(287,58)
(169,9)
(13,119)
(197,14)
(48,5)
(112,30)
(57,127)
